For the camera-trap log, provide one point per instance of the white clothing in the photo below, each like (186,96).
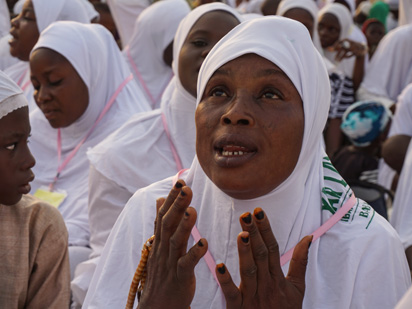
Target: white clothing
(46,12)
(348,31)
(154,30)
(405,12)
(390,69)
(90,10)
(140,153)
(250,6)
(101,66)
(11,96)
(125,13)
(4,18)
(6,60)
(406,301)
(294,207)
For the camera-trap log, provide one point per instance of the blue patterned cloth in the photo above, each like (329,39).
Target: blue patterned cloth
(364,121)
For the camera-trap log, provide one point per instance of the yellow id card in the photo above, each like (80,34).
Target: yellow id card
(54,198)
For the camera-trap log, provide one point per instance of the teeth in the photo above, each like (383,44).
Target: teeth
(235,153)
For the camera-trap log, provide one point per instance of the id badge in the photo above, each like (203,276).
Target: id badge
(54,198)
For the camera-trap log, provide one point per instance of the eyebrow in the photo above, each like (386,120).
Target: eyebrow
(262,73)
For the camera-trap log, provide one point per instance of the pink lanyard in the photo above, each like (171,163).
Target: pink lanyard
(139,76)
(21,80)
(76,149)
(172,146)
(211,264)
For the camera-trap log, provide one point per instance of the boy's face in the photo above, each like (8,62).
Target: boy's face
(16,160)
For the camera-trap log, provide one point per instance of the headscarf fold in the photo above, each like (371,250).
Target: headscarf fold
(11,96)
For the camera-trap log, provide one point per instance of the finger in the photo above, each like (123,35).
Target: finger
(159,203)
(259,249)
(174,215)
(298,263)
(265,230)
(247,266)
(230,290)
(178,242)
(187,263)
(166,205)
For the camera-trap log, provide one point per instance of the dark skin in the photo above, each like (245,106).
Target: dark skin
(269,7)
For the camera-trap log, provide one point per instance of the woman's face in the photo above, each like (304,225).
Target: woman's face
(59,91)
(329,30)
(374,33)
(16,160)
(24,32)
(303,16)
(249,130)
(205,33)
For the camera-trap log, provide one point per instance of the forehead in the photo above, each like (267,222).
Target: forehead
(298,14)
(47,55)
(330,19)
(211,20)
(28,4)
(15,123)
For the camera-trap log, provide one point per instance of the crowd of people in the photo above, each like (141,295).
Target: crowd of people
(257,150)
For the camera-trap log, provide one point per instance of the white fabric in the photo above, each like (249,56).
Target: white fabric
(401,124)
(101,66)
(250,6)
(6,60)
(125,13)
(90,10)
(11,96)
(153,32)
(406,301)
(4,18)
(338,278)
(46,12)
(402,215)
(139,153)
(405,12)
(390,69)
(347,27)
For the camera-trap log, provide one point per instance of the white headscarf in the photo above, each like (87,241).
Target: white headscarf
(405,12)
(101,66)
(153,32)
(4,18)
(146,131)
(11,96)
(46,12)
(346,24)
(390,69)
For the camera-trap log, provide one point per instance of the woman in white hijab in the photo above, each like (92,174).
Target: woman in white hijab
(335,25)
(149,52)
(35,16)
(154,145)
(258,144)
(84,94)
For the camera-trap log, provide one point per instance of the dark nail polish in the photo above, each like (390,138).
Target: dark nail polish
(178,185)
(259,215)
(247,218)
(245,239)
(186,214)
(200,243)
(221,269)
(183,193)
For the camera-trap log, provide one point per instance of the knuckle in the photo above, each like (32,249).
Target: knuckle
(273,247)
(261,253)
(249,272)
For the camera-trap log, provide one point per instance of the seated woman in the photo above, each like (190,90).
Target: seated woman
(155,145)
(335,25)
(258,146)
(342,92)
(34,17)
(149,52)
(33,239)
(84,94)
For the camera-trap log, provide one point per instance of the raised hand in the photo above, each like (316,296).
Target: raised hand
(348,48)
(171,281)
(263,284)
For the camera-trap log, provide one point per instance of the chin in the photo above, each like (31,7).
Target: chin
(10,200)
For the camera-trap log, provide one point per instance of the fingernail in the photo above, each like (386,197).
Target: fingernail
(221,268)
(200,243)
(259,214)
(178,185)
(245,239)
(186,214)
(183,193)
(247,218)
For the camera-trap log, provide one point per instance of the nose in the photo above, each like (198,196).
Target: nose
(28,160)
(239,112)
(42,95)
(15,21)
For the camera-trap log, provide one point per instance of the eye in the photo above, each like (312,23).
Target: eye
(11,147)
(56,83)
(199,43)
(218,92)
(271,94)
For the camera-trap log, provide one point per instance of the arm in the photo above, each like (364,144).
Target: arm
(333,136)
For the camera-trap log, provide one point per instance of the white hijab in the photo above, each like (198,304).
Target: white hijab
(405,12)
(346,24)
(102,68)
(153,32)
(11,96)
(4,18)
(143,137)
(390,69)
(306,199)
(46,13)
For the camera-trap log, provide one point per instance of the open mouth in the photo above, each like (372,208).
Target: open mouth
(233,151)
